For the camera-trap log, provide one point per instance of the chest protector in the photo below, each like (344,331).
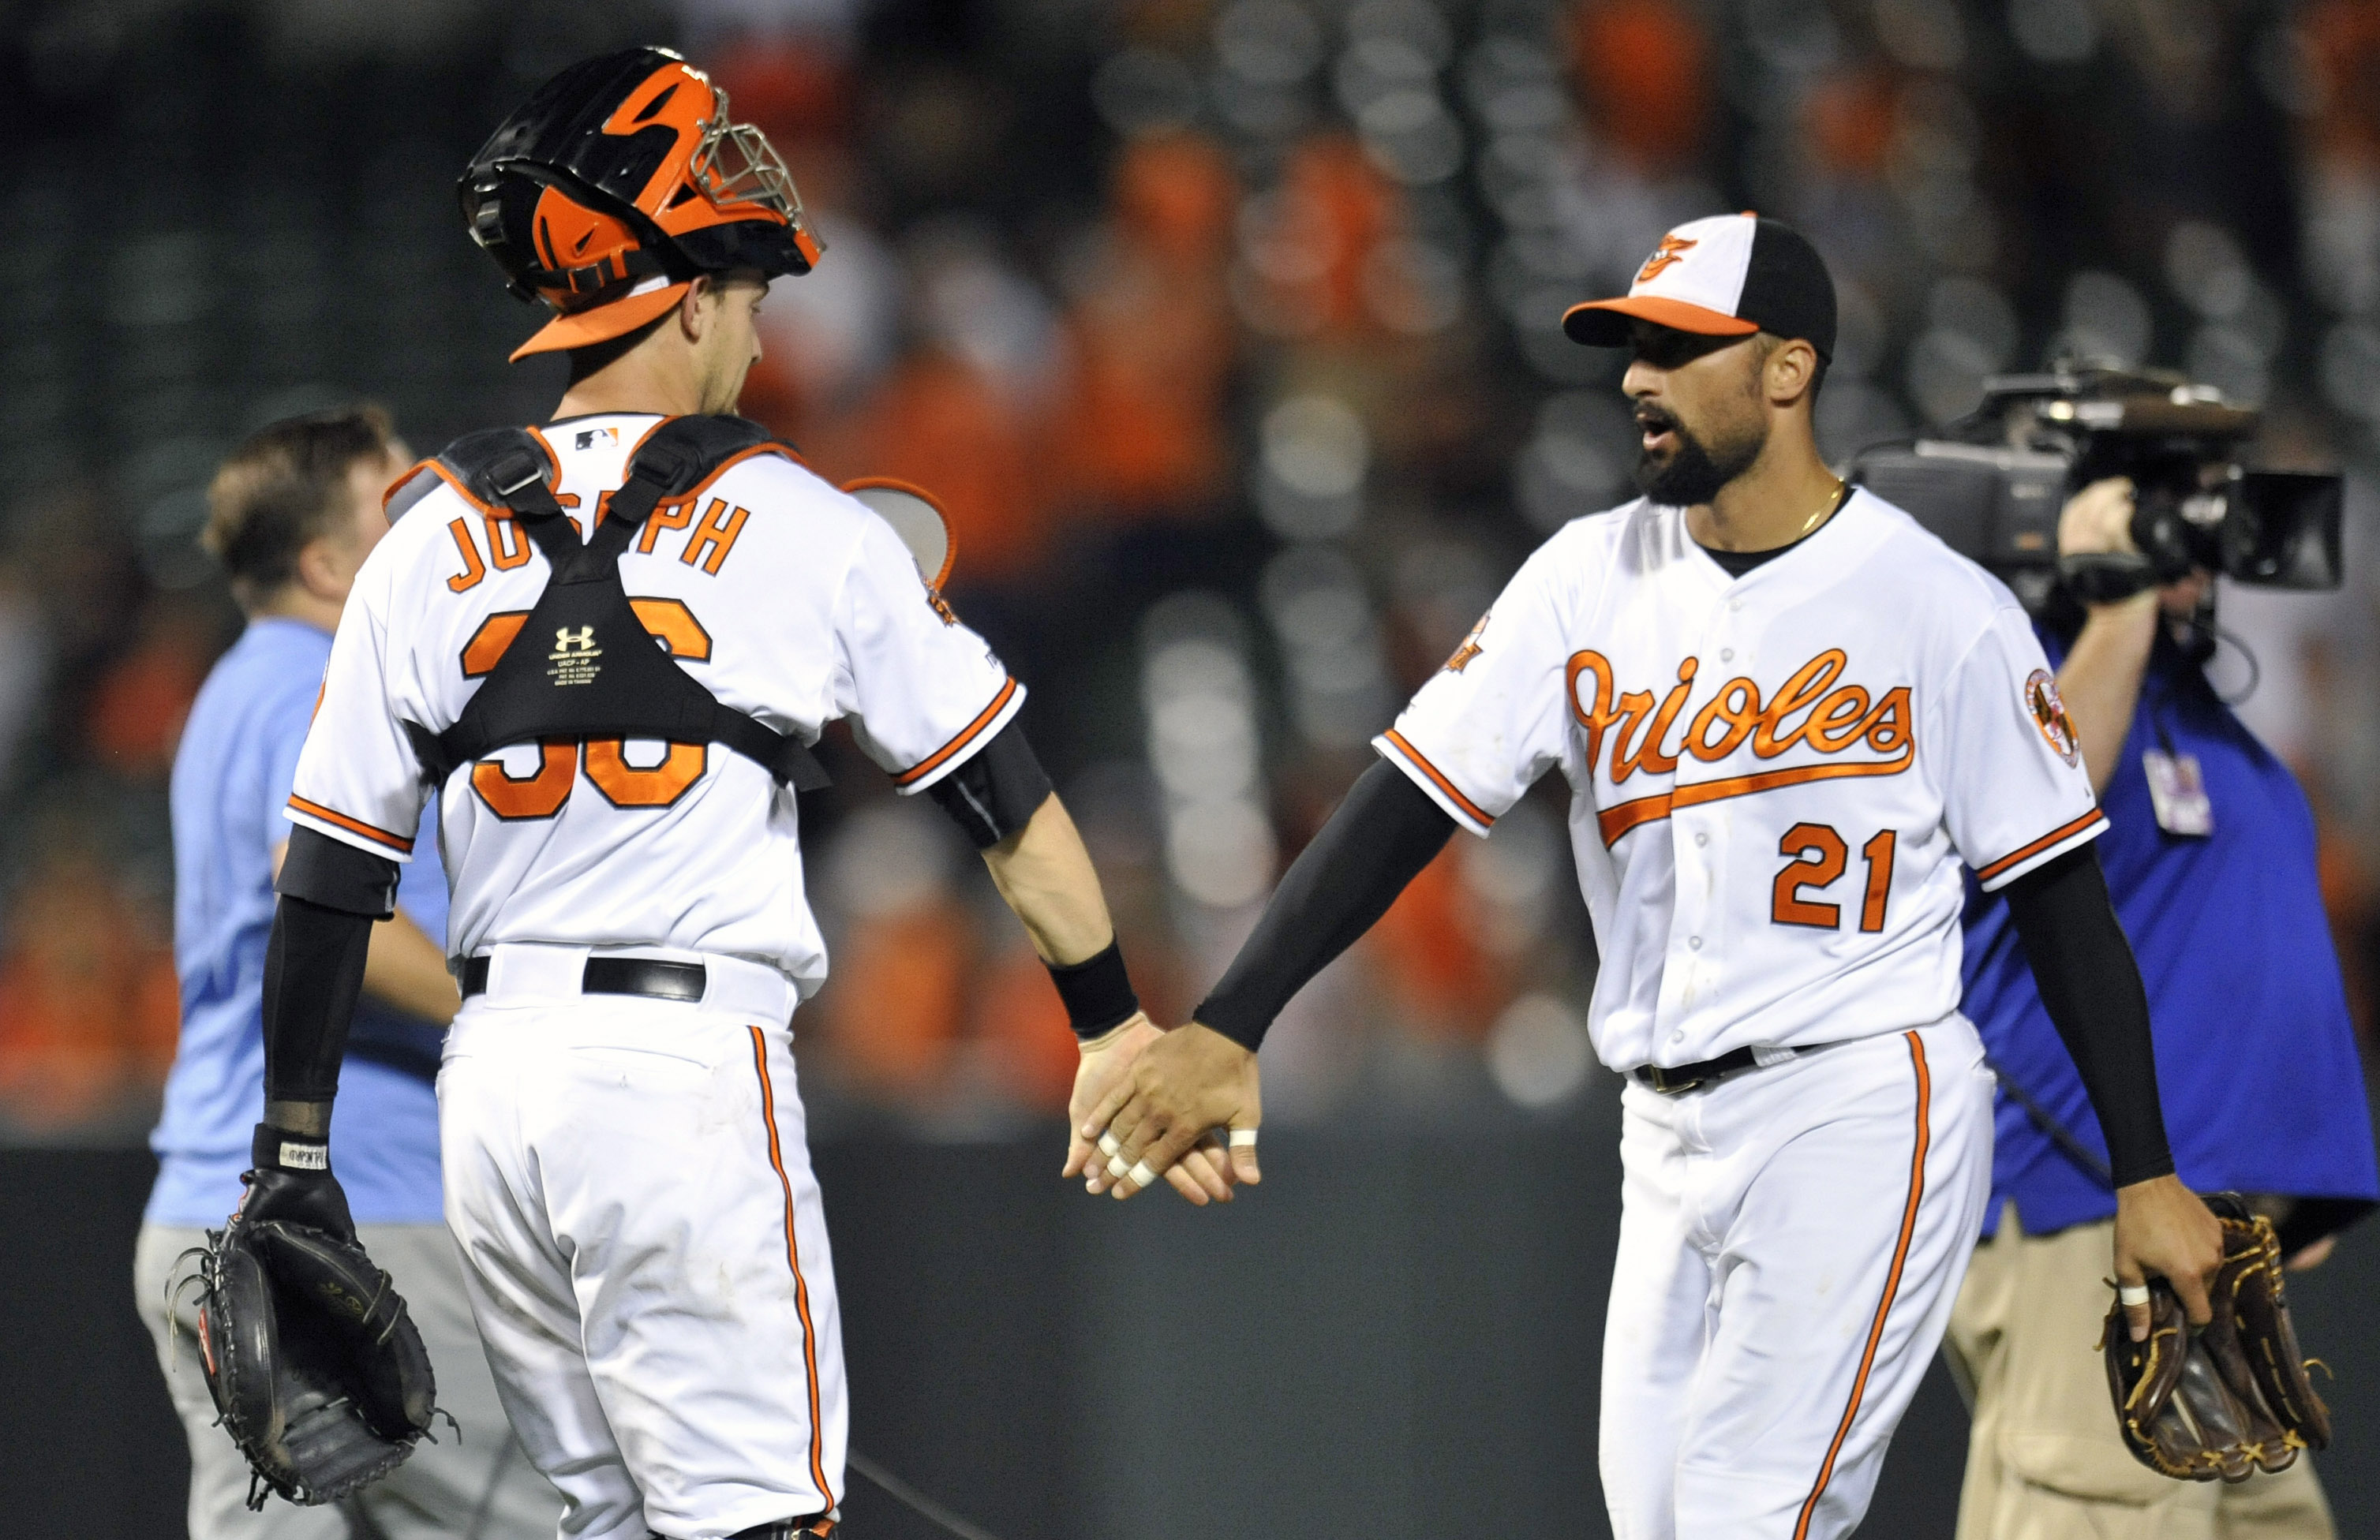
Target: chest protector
(582,665)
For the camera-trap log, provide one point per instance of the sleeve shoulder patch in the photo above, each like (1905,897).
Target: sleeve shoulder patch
(1470,647)
(2048,713)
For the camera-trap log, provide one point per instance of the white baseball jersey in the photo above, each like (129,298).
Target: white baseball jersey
(1774,778)
(790,600)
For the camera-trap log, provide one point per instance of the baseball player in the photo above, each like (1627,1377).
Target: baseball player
(607,643)
(1787,715)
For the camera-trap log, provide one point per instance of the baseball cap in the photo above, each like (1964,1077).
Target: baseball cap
(1729,275)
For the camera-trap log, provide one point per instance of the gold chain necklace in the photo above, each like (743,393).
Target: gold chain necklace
(1833,501)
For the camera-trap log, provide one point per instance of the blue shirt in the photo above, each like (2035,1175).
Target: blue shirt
(2257,1061)
(232,774)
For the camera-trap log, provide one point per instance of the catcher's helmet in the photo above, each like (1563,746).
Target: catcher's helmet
(621,179)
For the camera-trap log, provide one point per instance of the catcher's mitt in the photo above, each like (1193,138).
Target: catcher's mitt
(2232,1398)
(320,1377)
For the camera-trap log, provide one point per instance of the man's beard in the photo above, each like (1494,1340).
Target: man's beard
(1692,475)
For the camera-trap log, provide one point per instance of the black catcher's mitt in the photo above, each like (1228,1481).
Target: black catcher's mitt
(2231,1399)
(319,1373)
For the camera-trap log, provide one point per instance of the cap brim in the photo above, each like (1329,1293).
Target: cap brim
(1603,322)
(585,328)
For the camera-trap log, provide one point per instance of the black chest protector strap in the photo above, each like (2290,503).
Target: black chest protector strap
(582,665)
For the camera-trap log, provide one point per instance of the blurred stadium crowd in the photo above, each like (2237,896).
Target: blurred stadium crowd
(1227,329)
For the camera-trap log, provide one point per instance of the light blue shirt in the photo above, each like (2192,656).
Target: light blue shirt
(232,776)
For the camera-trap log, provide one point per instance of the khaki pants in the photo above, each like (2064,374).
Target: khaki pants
(479,1487)
(2044,1459)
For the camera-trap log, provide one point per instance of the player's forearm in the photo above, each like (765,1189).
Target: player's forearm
(330,894)
(1046,876)
(404,969)
(314,971)
(2100,681)
(2090,986)
(1380,838)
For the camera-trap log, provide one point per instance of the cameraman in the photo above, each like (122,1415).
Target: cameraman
(2210,860)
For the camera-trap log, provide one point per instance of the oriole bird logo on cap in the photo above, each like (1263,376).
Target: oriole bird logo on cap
(1669,254)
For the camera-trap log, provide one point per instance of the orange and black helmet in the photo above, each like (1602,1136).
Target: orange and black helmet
(620,182)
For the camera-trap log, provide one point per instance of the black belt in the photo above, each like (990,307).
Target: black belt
(1678,1079)
(654,977)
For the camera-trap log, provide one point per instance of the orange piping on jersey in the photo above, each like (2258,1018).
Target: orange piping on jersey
(491,510)
(389,492)
(2016,857)
(1615,821)
(927,766)
(551,457)
(397,842)
(1891,1284)
(794,1260)
(1438,778)
(771,447)
(950,536)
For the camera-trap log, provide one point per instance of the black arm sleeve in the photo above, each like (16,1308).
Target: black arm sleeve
(337,874)
(314,971)
(2090,986)
(999,789)
(1380,838)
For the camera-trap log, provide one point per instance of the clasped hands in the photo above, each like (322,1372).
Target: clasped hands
(1181,1105)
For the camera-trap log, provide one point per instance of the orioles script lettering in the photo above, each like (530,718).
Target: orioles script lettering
(1812,708)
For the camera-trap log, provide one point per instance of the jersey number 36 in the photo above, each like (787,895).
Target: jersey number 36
(541,793)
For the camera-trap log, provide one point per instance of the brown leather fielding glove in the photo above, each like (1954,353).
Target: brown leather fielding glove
(2226,1401)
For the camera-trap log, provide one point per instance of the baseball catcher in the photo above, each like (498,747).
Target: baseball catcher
(2222,1401)
(320,1377)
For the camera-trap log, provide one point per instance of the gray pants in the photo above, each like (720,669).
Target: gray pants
(480,1487)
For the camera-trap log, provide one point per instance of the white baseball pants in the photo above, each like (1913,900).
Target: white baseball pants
(644,1245)
(1790,1242)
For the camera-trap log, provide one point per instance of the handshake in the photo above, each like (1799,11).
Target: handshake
(1183,1105)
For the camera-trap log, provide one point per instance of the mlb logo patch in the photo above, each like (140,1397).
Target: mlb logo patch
(587,437)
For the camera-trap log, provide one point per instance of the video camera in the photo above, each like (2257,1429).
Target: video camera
(1993,489)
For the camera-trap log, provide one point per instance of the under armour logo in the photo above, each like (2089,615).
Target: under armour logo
(1669,254)
(574,657)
